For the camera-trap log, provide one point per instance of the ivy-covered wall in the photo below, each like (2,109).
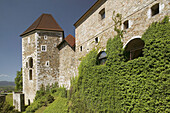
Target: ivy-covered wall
(139,85)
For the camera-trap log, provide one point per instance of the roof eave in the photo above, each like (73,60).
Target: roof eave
(87,12)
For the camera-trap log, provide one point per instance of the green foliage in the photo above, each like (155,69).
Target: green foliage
(58,106)
(139,85)
(41,101)
(6,108)
(19,81)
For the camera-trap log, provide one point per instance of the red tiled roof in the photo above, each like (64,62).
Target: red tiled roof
(70,40)
(44,22)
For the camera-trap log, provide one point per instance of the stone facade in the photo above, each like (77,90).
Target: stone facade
(137,12)
(18,101)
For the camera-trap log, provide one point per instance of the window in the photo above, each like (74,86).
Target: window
(102,57)
(134,48)
(30,62)
(43,48)
(45,37)
(155,9)
(47,63)
(26,64)
(30,74)
(96,40)
(81,48)
(126,24)
(102,14)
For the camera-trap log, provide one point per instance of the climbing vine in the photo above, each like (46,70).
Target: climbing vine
(139,85)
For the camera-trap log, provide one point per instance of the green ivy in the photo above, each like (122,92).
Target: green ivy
(139,85)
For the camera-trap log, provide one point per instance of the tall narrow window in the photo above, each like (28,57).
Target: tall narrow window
(155,9)
(26,64)
(126,24)
(102,57)
(30,62)
(30,74)
(81,48)
(102,14)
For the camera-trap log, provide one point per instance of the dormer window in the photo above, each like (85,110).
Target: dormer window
(102,14)
(126,24)
(155,9)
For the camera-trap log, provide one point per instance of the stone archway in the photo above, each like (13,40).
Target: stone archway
(133,48)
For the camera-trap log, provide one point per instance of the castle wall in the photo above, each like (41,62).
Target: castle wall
(28,51)
(66,65)
(136,11)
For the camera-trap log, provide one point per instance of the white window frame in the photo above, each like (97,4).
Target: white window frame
(47,62)
(42,48)
(45,37)
(28,40)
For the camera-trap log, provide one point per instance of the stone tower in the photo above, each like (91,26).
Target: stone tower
(40,55)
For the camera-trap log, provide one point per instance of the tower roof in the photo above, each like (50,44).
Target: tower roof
(44,22)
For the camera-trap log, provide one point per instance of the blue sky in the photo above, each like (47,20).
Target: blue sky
(17,15)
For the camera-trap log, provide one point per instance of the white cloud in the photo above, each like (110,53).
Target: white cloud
(3,75)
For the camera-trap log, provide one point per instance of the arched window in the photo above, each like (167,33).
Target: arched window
(133,49)
(102,57)
(30,62)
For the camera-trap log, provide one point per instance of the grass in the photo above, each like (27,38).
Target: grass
(58,106)
(9,99)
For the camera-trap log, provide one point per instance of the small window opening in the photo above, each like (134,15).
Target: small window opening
(45,37)
(30,74)
(102,57)
(126,24)
(26,64)
(31,63)
(47,63)
(96,40)
(29,102)
(43,48)
(102,14)
(81,48)
(155,9)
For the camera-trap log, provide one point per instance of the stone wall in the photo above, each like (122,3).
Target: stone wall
(66,65)
(48,74)
(18,101)
(29,50)
(136,11)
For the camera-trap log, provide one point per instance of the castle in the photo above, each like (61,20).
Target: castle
(49,57)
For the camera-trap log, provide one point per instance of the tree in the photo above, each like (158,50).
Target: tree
(19,81)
